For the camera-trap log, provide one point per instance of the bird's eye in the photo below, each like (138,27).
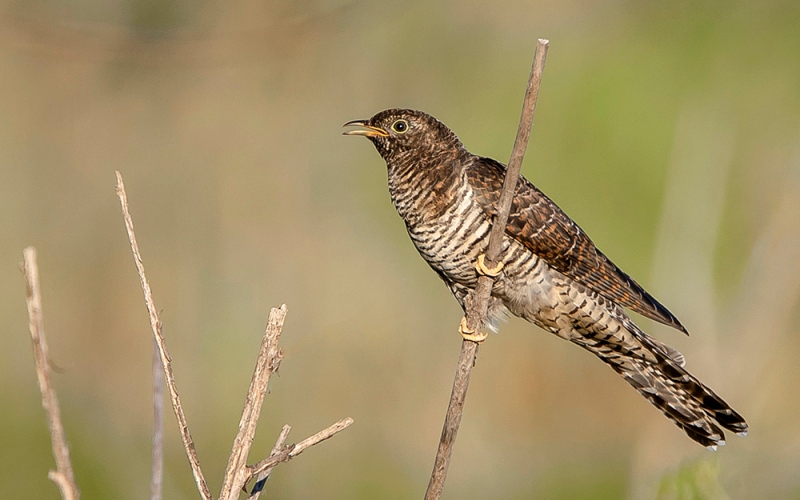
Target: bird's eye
(400,126)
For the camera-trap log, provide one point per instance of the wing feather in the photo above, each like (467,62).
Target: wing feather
(540,225)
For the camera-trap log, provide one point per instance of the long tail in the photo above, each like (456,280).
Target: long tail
(660,377)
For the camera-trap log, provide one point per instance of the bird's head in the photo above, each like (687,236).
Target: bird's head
(406,133)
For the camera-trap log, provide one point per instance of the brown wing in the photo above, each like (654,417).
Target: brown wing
(540,225)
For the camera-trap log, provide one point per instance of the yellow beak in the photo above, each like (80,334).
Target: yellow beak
(365,130)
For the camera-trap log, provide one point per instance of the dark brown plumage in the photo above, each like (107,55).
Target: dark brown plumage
(540,225)
(552,275)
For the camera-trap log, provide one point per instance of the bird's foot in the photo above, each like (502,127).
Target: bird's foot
(470,334)
(493,272)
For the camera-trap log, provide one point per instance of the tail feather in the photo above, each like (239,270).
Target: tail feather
(669,351)
(682,398)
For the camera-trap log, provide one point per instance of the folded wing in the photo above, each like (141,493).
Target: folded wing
(540,225)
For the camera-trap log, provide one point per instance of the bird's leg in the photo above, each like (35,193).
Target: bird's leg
(469,333)
(480,266)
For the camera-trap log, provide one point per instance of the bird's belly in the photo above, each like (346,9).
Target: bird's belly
(451,241)
(530,288)
(451,247)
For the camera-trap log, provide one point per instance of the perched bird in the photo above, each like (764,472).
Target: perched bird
(550,273)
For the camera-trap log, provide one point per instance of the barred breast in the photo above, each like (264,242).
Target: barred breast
(450,230)
(451,240)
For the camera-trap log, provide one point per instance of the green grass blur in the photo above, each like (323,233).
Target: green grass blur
(669,130)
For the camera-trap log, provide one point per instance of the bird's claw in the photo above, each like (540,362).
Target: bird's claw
(470,334)
(493,272)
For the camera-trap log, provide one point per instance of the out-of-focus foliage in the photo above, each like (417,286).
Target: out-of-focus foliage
(692,480)
(669,130)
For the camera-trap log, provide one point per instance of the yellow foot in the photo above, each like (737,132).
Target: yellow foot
(480,266)
(470,334)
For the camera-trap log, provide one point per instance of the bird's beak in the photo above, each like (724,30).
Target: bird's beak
(365,130)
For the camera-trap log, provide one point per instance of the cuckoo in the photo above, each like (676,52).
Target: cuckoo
(550,273)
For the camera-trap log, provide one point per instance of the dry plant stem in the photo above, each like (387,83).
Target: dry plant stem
(262,478)
(478,306)
(269,359)
(452,420)
(157,472)
(63,475)
(68,488)
(155,324)
(289,452)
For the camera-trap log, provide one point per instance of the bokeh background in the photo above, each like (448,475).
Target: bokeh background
(669,130)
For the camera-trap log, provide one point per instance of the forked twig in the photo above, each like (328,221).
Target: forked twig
(269,359)
(478,306)
(289,452)
(155,325)
(63,475)
(262,477)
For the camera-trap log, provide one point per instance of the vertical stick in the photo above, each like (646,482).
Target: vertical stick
(517,153)
(476,313)
(63,475)
(157,472)
(452,420)
(166,361)
(269,358)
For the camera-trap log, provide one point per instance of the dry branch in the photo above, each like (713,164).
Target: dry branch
(155,324)
(478,306)
(63,475)
(237,473)
(157,469)
(269,359)
(262,477)
(289,452)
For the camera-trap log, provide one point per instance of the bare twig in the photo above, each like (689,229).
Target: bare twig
(261,479)
(67,486)
(289,452)
(155,324)
(157,472)
(478,307)
(63,475)
(269,359)
(452,419)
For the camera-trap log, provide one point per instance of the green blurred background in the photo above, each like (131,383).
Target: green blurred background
(669,130)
